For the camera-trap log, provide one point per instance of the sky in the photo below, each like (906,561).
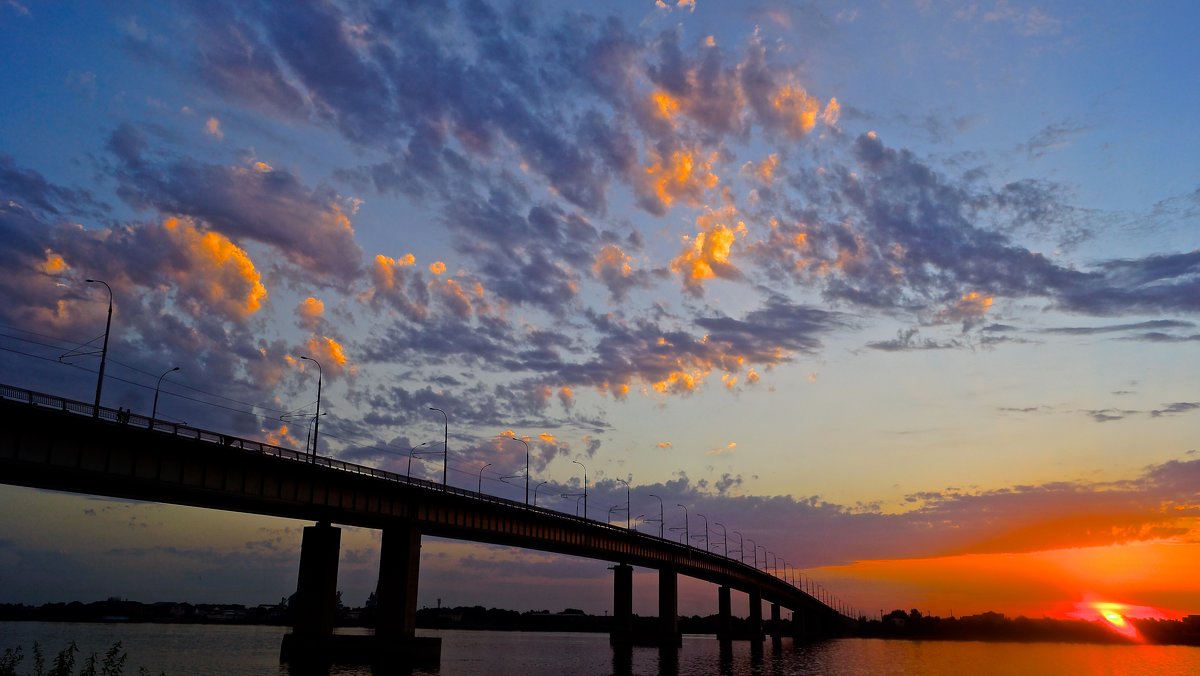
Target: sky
(905,293)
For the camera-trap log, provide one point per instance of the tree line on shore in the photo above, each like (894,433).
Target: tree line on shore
(897,624)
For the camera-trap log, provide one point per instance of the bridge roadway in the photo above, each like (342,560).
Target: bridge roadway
(59,444)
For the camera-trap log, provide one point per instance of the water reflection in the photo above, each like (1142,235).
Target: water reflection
(212,650)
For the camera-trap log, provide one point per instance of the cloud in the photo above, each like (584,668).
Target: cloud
(308,226)
(213,128)
(1158,324)
(217,272)
(909,339)
(1176,408)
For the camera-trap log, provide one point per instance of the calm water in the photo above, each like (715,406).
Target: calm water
(204,650)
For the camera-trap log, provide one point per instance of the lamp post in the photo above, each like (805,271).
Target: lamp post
(764,557)
(445,443)
(660,515)
(317,424)
(516,438)
(154,409)
(408,472)
(479,487)
(104,348)
(774,561)
(627,519)
(741,547)
(535,491)
(724,538)
(706,547)
(753,550)
(687,535)
(584,488)
(610,511)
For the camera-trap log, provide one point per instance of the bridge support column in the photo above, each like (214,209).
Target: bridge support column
(621,632)
(724,614)
(314,605)
(396,592)
(668,607)
(799,630)
(756,633)
(396,642)
(776,626)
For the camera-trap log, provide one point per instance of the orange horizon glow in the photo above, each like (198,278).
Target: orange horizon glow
(1156,581)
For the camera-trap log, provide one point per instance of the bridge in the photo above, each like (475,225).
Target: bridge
(54,443)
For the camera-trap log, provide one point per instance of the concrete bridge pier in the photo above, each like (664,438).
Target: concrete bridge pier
(396,642)
(724,614)
(776,627)
(668,607)
(756,632)
(314,605)
(621,630)
(799,630)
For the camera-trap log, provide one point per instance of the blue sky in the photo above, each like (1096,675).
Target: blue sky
(911,280)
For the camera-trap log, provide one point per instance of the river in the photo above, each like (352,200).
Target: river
(217,650)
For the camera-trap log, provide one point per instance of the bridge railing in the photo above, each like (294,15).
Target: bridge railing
(187,432)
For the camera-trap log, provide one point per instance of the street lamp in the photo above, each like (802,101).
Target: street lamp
(741,547)
(774,561)
(516,438)
(660,515)
(104,348)
(610,511)
(584,488)
(479,487)
(706,547)
(627,519)
(154,409)
(408,472)
(687,535)
(724,538)
(317,424)
(753,550)
(535,491)
(764,557)
(445,443)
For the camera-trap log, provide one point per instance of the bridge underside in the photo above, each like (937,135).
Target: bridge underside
(53,449)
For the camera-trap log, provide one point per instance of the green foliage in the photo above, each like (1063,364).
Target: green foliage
(64,662)
(9,661)
(113,663)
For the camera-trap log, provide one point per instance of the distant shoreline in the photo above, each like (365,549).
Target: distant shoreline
(897,625)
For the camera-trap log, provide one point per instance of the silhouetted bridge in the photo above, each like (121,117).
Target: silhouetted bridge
(54,443)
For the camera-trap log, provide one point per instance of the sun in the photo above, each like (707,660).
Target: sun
(1114,615)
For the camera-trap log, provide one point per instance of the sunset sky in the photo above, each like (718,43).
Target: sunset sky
(908,293)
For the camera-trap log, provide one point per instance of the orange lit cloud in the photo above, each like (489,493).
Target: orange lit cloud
(566,396)
(664,105)
(437,267)
(213,128)
(797,108)
(332,356)
(310,312)
(218,273)
(53,265)
(395,282)
(664,445)
(969,309)
(707,254)
(684,176)
(614,267)
(833,110)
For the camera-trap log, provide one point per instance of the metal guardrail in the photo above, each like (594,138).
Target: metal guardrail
(121,417)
